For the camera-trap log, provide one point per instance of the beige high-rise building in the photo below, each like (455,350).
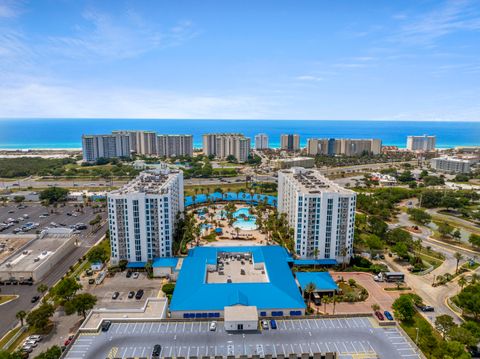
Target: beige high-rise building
(174,145)
(222,145)
(290,142)
(421,143)
(105,146)
(343,146)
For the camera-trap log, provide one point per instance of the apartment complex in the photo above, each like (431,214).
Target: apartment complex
(421,143)
(105,146)
(123,143)
(321,213)
(222,145)
(343,146)
(290,142)
(283,163)
(142,216)
(261,141)
(454,164)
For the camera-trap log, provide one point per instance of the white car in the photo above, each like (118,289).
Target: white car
(264,324)
(37,338)
(213,326)
(135,275)
(27,348)
(31,343)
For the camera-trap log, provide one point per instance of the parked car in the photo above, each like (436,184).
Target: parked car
(129,274)
(379,315)
(157,349)
(106,325)
(273,324)
(213,326)
(139,294)
(91,281)
(35,299)
(36,337)
(427,308)
(388,315)
(115,295)
(264,324)
(131,294)
(67,342)
(135,275)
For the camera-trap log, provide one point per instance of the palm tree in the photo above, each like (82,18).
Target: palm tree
(375,307)
(462,282)
(474,278)
(237,230)
(325,300)
(21,316)
(309,289)
(458,256)
(42,288)
(315,255)
(344,252)
(335,299)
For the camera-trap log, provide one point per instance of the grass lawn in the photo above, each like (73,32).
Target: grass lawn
(7,298)
(8,336)
(435,262)
(424,326)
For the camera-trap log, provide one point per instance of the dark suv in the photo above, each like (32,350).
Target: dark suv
(139,294)
(156,351)
(106,325)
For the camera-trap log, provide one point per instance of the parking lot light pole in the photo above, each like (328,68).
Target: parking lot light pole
(244,347)
(416,338)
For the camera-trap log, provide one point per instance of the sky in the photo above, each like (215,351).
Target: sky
(241,59)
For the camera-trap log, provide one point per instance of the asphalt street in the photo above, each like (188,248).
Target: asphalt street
(350,337)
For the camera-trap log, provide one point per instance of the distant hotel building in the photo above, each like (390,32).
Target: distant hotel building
(142,216)
(321,213)
(105,146)
(222,145)
(123,143)
(453,164)
(421,143)
(261,141)
(343,146)
(290,142)
(283,163)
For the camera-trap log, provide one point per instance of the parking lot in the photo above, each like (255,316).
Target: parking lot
(349,337)
(35,214)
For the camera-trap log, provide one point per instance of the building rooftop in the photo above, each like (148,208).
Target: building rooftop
(311,181)
(464,159)
(323,280)
(194,292)
(37,251)
(148,182)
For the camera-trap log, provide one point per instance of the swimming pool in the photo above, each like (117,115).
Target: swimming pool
(244,220)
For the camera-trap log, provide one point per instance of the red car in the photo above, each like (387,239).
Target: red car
(379,315)
(68,341)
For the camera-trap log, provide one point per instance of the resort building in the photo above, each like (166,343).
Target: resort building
(321,213)
(142,216)
(454,164)
(290,142)
(239,284)
(174,145)
(222,145)
(105,146)
(421,143)
(261,141)
(343,146)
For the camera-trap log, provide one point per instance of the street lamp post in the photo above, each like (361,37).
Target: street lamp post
(416,338)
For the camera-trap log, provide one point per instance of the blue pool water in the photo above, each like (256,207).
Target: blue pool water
(245,223)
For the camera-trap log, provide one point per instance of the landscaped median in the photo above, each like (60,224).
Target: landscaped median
(4,299)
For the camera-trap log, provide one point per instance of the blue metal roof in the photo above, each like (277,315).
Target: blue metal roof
(193,293)
(165,262)
(322,280)
(311,262)
(133,265)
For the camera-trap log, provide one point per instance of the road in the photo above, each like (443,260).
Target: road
(8,310)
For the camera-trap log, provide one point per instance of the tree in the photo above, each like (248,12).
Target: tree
(309,289)
(373,242)
(97,254)
(42,288)
(457,234)
(398,235)
(39,318)
(445,229)
(444,323)
(403,308)
(231,158)
(458,257)
(377,226)
(51,353)
(401,249)
(325,301)
(375,307)
(81,303)
(469,299)
(168,288)
(54,194)
(21,316)
(462,335)
(419,216)
(462,282)
(474,240)
(18,199)
(66,288)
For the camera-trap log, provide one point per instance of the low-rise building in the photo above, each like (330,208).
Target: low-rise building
(454,164)
(40,255)
(306,162)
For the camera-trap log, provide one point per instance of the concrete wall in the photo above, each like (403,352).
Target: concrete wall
(247,325)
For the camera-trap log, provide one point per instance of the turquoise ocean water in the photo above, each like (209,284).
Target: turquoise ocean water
(66,133)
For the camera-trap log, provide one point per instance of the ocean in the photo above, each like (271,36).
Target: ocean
(66,133)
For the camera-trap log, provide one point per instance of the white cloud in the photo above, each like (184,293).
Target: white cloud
(9,8)
(309,78)
(127,36)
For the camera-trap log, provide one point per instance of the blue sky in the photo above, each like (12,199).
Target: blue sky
(249,59)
